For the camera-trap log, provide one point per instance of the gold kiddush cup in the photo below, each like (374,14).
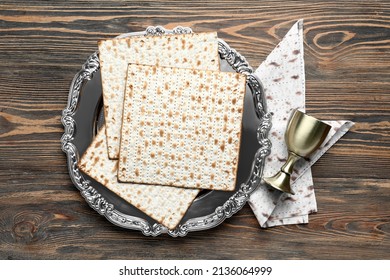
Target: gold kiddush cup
(304,135)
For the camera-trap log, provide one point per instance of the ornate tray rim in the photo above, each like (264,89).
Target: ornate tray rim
(97,202)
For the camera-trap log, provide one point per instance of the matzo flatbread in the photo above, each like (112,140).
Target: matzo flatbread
(197,50)
(181,127)
(166,205)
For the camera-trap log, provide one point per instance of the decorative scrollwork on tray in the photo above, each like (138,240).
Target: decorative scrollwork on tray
(155,30)
(229,208)
(235,60)
(159,30)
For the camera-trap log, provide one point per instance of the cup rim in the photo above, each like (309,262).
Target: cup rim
(313,119)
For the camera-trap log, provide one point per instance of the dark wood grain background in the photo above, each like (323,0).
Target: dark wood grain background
(347,51)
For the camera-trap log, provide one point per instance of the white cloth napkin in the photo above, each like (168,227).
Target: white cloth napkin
(283,77)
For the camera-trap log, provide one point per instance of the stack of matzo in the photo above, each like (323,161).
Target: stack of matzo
(180,127)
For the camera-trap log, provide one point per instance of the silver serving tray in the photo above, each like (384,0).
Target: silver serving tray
(83,116)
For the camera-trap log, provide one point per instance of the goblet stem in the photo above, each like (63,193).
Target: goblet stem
(289,165)
(281,181)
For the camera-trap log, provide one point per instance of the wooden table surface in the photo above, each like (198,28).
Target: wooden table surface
(347,55)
